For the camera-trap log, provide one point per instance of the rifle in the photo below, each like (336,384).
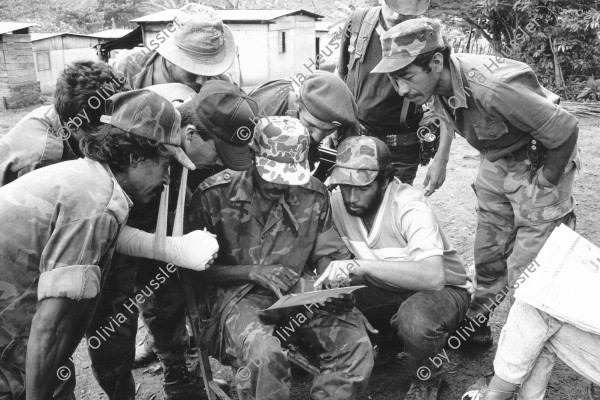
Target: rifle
(326,163)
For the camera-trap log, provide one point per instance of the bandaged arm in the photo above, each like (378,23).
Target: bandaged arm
(190,251)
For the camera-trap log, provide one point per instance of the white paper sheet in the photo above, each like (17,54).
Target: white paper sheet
(298,299)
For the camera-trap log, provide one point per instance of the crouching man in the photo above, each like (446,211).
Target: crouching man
(60,224)
(415,280)
(271,221)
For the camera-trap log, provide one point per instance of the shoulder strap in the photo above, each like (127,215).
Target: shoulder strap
(404,112)
(355,27)
(371,17)
(293,109)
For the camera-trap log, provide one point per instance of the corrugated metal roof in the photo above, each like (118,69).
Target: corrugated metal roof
(232,16)
(45,35)
(6,27)
(111,33)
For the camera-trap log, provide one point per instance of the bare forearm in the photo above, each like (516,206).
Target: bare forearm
(428,274)
(50,338)
(557,159)
(446,138)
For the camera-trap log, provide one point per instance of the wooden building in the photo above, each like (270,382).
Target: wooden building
(272,44)
(19,86)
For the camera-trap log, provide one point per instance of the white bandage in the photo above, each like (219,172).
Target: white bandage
(192,251)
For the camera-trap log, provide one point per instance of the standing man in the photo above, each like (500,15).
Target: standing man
(195,48)
(382,112)
(271,222)
(528,146)
(416,282)
(64,221)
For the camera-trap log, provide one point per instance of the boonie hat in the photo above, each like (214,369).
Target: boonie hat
(147,114)
(282,151)
(408,7)
(405,41)
(227,113)
(201,43)
(328,99)
(359,159)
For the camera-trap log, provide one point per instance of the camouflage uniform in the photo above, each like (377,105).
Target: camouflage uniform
(297,232)
(498,106)
(36,141)
(60,244)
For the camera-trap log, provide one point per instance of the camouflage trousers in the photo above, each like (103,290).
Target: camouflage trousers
(515,216)
(254,348)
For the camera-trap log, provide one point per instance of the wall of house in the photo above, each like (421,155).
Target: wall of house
(18,83)
(53,54)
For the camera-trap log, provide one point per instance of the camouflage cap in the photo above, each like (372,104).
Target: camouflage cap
(282,154)
(148,114)
(405,41)
(359,160)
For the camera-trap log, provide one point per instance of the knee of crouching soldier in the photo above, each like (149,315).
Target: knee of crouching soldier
(412,325)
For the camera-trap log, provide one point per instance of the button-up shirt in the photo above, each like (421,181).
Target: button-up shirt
(60,225)
(498,106)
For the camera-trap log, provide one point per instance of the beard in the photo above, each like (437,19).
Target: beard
(370,208)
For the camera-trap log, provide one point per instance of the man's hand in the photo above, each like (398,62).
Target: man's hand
(275,277)
(338,273)
(196,250)
(343,303)
(435,176)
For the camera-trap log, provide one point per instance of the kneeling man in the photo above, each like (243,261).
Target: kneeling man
(415,279)
(271,221)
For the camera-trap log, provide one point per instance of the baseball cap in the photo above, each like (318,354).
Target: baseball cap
(359,159)
(405,41)
(408,7)
(328,99)
(147,114)
(227,113)
(201,43)
(282,151)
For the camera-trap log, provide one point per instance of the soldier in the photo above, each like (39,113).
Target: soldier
(382,112)
(270,222)
(323,104)
(64,222)
(416,282)
(528,145)
(50,134)
(194,48)
(217,128)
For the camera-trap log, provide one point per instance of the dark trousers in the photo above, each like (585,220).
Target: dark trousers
(422,320)
(405,160)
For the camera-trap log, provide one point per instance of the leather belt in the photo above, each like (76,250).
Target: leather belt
(393,139)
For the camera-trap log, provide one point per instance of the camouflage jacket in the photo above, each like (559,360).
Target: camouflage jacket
(64,220)
(299,229)
(34,142)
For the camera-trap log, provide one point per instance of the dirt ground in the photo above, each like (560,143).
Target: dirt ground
(455,207)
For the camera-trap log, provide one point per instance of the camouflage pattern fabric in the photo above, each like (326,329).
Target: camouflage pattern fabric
(357,162)
(263,370)
(298,231)
(34,142)
(57,227)
(282,155)
(404,42)
(514,219)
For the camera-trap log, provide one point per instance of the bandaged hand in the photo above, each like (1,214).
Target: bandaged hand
(195,251)
(338,273)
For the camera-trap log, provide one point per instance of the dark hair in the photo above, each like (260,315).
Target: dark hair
(424,59)
(386,175)
(81,81)
(189,116)
(114,146)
